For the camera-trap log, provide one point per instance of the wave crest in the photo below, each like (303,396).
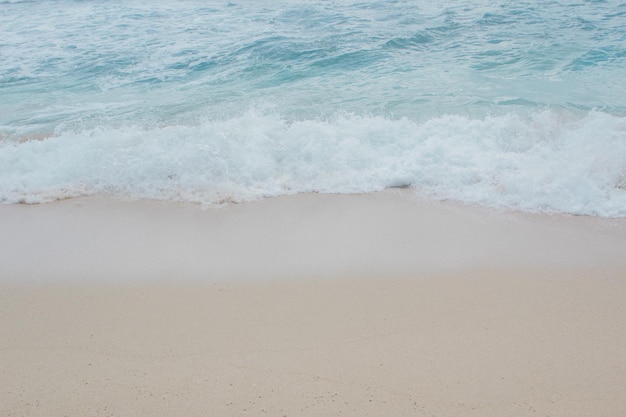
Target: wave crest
(544,161)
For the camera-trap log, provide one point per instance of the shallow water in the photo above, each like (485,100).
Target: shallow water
(500,103)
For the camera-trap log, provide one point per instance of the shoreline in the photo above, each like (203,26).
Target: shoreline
(305,235)
(311,305)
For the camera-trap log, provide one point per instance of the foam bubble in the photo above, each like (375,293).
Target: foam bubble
(546,161)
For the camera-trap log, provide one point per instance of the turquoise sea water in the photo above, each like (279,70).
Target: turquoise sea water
(518,104)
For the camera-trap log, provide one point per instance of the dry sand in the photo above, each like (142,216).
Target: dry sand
(312,305)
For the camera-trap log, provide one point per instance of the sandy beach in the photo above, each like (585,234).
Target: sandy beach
(382,304)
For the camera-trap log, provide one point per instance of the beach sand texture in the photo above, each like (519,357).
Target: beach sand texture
(311,305)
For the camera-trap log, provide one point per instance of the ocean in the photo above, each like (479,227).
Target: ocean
(508,104)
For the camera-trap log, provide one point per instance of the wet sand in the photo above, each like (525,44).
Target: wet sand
(311,305)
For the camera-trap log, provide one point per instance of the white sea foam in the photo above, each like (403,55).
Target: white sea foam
(488,103)
(545,161)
